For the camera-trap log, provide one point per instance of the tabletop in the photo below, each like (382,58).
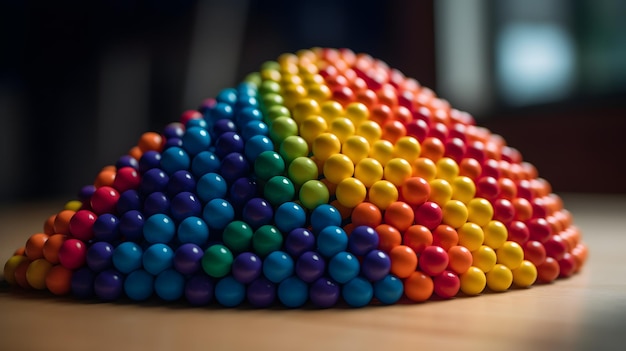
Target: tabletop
(586,311)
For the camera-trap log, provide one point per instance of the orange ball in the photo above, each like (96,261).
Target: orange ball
(403,261)
(415,191)
(19,251)
(445,237)
(433,149)
(460,259)
(523,209)
(366,213)
(105,177)
(62,221)
(59,280)
(388,237)
(20,274)
(150,141)
(418,286)
(34,246)
(52,246)
(48,225)
(135,152)
(470,167)
(417,237)
(393,130)
(400,215)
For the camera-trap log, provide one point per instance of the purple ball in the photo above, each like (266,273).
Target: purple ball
(188,258)
(157,202)
(154,179)
(362,240)
(299,241)
(234,166)
(258,212)
(185,205)
(261,292)
(310,266)
(228,143)
(131,225)
(223,126)
(171,142)
(109,285)
(324,293)
(86,192)
(149,160)
(181,181)
(106,228)
(199,290)
(129,200)
(100,256)
(82,283)
(246,267)
(242,190)
(174,130)
(127,161)
(375,265)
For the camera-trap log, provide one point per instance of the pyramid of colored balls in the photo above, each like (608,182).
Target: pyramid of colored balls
(325,178)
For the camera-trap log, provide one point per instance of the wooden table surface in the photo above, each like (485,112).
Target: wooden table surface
(585,312)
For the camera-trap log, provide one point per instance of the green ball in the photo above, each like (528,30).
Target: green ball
(272,99)
(276,111)
(217,261)
(301,170)
(281,128)
(254,78)
(313,193)
(237,236)
(269,86)
(266,240)
(268,164)
(293,147)
(279,190)
(270,65)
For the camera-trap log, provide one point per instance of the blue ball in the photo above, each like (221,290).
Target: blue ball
(169,285)
(153,180)
(175,159)
(106,228)
(109,285)
(127,161)
(323,216)
(254,128)
(181,181)
(248,114)
(343,267)
(247,267)
(261,292)
(131,225)
(185,204)
(298,241)
(196,122)
(246,102)
(389,289)
(157,202)
(227,143)
(139,285)
(100,256)
(293,292)
(193,230)
(289,216)
(199,290)
(218,213)
(149,160)
(228,96)
(157,258)
(82,283)
(375,265)
(310,266)
(159,228)
(247,89)
(229,292)
(204,162)
(221,110)
(277,266)
(362,240)
(196,140)
(324,293)
(127,257)
(234,166)
(223,126)
(256,145)
(211,186)
(188,258)
(358,292)
(332,240)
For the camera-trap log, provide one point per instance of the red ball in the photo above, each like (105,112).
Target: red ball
(72,254)
(126,178)
(503,210)
(455,149)
(433,260)
(518,232)
(539,229)
(81,224)
(429,215)
(534,252)
(487,187)
(567,265)
(447,284)
(555,247)
(104,200)
(548,270)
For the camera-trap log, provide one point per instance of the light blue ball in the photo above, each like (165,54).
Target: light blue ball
(293,292)
(289,216)
(196,140)
(169,285)
(323,216)
(256,145)
(218,213)
(139,285)
(159,228)
(157,258)
(204,162)
(277,266)
(343,267)
(175,159)
(332,240)
(358,292)
(229,292)
(193,230)
(389,289)
(127,257)
(211,186)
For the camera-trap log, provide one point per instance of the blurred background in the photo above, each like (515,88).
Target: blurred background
(80,81)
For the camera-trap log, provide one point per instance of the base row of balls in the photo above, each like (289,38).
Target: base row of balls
(325,178)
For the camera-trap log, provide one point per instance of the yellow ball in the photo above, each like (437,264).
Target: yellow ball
(463,189)
(311,127)
(314,79)
(382,150)
(319,92)
(342,127)
(525,275)
(454,213)
(36,273)
(338,167)
(447,169)
(325,145)
(370,130)
(496,234)
(471,236)
(313,193)
(73,205)
(291,78)
(499,278)
(473,281)
(480,211)
(305,108)
(292,94)
(484,258)
(270,74)
(330,110)
(368,171)
(356,148)
(383,193)
(425,168)
(510,254)
(357,113)
(397,170)
(440,191)
(350,192)
(408,148)
(10,266)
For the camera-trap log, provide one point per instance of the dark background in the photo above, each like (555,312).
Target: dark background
(79,82)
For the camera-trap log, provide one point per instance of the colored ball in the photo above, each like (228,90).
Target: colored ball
(331,240)
(268,164)
(256,145)
(139,285)
(104,200)
(337,168)
(82,286)
(81,224)
(277,266)
(257,212)
(383,193)
(293,147)
(36,273)
(362,240)
(157,258)
(72,254)
(324,293)
(301,170)
(59,280)
(192,230)
(433,260)
(266,239)
(368,171)
(199,290)
(131,225)
(159,228)
(447,284)
(174,159)
(204,162)
(525,275)
(211,186)
(157,202)
(188,258)
(237,236)
(358,292)
(484,258)
(100,256)
(298,241)
(343,267)
(218,213)
(261,292)
(217,261)
(388,290)
(289,216)
(419,286)
(350,192)
(246,267)
(293,292)
(229,292)
(196,140)
(375,265)
(109,285)
(313,193)
(323,216)
(473,281)
(499,278)
(169,285)
(233,167)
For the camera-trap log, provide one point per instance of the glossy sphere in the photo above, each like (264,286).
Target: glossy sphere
(548,271)
(108,285)
(293,147)
(59,280)
(282,128)
(350,192)
(332,240)
(446,284)
(211,186)
(455,213)
(268,164)
(325,145)
(277,266)
(237,236)
(375,265)
(218,213)
(36,273)
(460,259)
(192,230)
(397,171)
(323,216)
(293,292)
(217,261)
(313,193)
(174,159)
(355,148)
(159,228)
(188,258)
(415,191)
(104,200)
(257,212)
(298,241)
(100,256)
(81,224)
(429,214)
(499,278)
(403,261)
(358,292)
(324,293)
(525,275)
(337,168)
(343,267)
(199,290)
(278,190)
(11,265)
(289,216)
(157,258)
(510,254)
(229,292)
(72,253)
(473,281)
(495,234)
(169,285)
(139,285)
(35,244)
(301,170)
(266,239)
(484,258)
(433,260)
(418,286)
(534,252)
(480,211)
(471,236)
(261,293)
(383,193)
(362,240)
